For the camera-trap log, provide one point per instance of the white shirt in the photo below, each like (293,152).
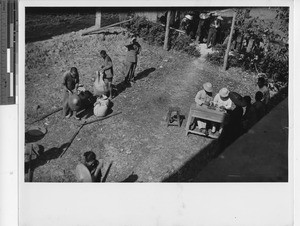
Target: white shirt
(218,101)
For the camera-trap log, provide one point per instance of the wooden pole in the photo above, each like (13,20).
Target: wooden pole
(46,115)
(95,30)
(83,124)
(229,43)
(167,31)
(98,19)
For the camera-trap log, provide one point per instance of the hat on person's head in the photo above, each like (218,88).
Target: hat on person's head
(261,80)
(189,17)
(104,97)
(237,99)
(207,87)
(220,18)
(224,92)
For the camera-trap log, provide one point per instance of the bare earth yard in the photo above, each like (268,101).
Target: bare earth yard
(138,140)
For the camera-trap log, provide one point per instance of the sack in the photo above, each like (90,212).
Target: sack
(100,87)
(100,110)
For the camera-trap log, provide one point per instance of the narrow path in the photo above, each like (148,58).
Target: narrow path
(172,147)
(191,75)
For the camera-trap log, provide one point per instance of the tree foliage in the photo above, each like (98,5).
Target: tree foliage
(155,34)
(269,53)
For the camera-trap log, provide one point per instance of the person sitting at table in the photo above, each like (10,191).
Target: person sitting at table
(223,102)
(204,97)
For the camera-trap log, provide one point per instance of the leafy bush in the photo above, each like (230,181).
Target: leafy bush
(155,34)
(271,58)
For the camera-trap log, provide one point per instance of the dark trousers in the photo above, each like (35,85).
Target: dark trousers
(108,82)
(211,39)
(66,109)
(130,69)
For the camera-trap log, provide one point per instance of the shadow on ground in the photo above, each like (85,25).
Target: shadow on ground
(145,73)
(131,178)
(43,157)
(197,163)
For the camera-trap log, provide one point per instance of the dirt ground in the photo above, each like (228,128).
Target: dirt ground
(138,142)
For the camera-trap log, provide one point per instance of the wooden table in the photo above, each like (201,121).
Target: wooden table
(203,112)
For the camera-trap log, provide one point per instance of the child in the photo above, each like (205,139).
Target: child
(204,97)
(223,102)
(90,168)
(261,83)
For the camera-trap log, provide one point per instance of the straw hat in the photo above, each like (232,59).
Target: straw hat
(207,87)
(104,97)
(83,174)
(203,16)
(224,92)
(189,17)
(237,99)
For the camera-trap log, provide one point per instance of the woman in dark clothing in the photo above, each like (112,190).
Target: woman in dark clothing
(233,128)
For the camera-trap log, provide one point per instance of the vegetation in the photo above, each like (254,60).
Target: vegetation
(154,34)
(269,52)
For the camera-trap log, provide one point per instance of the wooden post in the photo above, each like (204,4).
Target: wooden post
(98,19)
(167,31)
(229,42)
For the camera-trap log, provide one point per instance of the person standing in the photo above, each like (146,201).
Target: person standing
(212,33)
(70,83)
(133,50)
(199,32)
(259,105)
(233,127)
(108,72)
(249,118)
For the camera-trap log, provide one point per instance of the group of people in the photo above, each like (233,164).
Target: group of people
(103,78)
(240,118)
(206,27)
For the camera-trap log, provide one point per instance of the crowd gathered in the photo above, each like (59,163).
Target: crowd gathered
(242,113)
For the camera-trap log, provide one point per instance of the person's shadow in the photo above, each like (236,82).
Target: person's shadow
(131,178)
(144,73)
(121,87)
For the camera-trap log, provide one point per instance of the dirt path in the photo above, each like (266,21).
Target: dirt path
(137,141)
(172,147)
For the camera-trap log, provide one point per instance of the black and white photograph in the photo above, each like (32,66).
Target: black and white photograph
(166,113)
(156,94)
